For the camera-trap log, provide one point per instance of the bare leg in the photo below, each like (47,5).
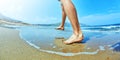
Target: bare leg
(61,27)
(72,15)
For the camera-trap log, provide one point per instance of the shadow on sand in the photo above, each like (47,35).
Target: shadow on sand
(74,48)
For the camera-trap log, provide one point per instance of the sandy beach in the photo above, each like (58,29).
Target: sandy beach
(12,47)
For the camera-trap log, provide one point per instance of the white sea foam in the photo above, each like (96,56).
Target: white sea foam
(109,27)
(101,31)
(62,53)
(33,45)
(69,54)
(114,46)
(101,48)
(30,43)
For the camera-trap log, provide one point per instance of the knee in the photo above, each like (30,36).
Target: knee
(65,1)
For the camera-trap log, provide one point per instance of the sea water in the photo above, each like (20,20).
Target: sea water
(96,38)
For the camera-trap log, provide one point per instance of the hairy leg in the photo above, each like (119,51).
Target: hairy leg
(72,15)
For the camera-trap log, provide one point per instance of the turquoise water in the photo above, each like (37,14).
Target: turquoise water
(47,39)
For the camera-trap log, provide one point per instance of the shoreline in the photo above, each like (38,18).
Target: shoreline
(12,47)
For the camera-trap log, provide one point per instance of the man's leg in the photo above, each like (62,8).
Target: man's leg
(72,15)
(61,27)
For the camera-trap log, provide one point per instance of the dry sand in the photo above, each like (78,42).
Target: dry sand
(12,47)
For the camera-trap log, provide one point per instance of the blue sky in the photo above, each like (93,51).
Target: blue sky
(91,12)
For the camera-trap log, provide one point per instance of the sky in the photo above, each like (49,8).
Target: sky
(90,12)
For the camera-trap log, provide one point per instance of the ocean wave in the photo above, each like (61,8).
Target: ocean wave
(110,27)
(12,23)
(114,27)
(62,53)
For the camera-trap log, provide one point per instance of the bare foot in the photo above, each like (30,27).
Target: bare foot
(60,28)
(74,39)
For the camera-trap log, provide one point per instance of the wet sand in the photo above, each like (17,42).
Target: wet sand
(12,47)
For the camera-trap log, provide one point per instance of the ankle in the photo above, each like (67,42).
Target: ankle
(78,34)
